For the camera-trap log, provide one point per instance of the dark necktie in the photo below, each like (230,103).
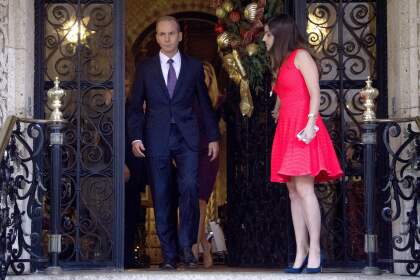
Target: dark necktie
(171,83)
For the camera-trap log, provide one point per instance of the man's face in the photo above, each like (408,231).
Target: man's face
(168,36)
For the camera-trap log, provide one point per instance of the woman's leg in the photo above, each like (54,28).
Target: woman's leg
(305,190)
(299,225)
(201,228)
(201,238)
(207,257)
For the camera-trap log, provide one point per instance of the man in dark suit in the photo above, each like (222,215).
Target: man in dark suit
(168,131)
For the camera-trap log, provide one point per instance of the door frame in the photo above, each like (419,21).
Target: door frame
(119,129)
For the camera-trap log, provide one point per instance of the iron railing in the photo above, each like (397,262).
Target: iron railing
(401,193)
(24,203)
(21,195)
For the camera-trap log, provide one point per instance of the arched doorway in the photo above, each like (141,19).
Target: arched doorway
(93,185)
(199,41)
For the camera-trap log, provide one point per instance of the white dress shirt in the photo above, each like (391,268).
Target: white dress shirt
(164,65)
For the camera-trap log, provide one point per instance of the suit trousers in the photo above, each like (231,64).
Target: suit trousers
(163,192)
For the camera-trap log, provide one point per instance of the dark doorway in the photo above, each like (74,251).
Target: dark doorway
(199,38)
(199,41)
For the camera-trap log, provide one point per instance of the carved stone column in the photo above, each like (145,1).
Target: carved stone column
(16,57)
(17,68)
(403,57)
(4,41)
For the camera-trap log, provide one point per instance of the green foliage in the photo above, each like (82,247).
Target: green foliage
(257,65)
(272,8)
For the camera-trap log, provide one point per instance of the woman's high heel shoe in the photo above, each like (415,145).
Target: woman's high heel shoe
(195,250)
(313,270)
(207,256)
(298,270)
(310,270)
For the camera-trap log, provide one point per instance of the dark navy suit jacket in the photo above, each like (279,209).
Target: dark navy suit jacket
(153,126)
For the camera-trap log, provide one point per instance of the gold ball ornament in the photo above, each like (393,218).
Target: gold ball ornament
(224,40)
(252,49)
(227,6)
(221,13)
(250,12)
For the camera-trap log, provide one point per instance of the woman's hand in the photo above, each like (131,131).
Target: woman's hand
(309,132)
(275,112)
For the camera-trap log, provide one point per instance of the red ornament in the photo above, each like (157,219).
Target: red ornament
(235,16)
(242,32)
(218,28)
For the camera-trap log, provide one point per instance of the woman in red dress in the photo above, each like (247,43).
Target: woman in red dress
(302,151)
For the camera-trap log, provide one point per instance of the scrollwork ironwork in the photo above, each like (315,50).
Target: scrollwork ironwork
(22,194)
(343,36)
(79,45)
(402,192)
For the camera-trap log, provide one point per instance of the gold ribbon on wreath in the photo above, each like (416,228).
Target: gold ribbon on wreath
(233,65)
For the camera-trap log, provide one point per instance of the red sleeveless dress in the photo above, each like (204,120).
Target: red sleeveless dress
(289,155)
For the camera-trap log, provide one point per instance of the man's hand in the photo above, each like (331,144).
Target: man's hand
(138,148)
(213,150)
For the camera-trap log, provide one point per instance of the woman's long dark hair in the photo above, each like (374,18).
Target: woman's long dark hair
(287,38)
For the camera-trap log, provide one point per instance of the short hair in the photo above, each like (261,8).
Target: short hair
(168,18)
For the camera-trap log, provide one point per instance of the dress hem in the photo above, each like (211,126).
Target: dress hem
(329,176)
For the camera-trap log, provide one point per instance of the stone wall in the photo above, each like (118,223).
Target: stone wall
(4,40)
(17,30)
(403,57)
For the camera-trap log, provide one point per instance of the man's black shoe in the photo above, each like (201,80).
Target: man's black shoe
(167,266)
(191,264)
(188,259)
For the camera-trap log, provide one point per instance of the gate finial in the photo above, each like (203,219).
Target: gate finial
(54,97)
(369,95)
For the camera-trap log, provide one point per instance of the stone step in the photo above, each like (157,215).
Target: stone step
(217,273)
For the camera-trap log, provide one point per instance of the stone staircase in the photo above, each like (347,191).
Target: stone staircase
(219,273)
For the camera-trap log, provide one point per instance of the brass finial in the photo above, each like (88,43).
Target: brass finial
(369,95)
(54,97)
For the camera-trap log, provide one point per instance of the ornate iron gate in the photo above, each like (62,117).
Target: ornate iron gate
(349,39)
(82,43)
